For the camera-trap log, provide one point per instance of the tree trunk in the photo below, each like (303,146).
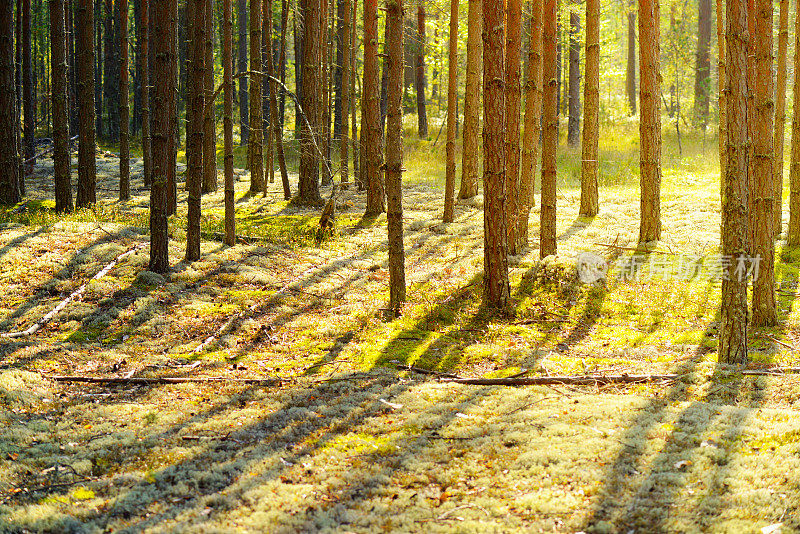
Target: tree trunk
(173,140)
(195,127)
(780,113)
(266,88)
(277,128)
(385,76)
(630,71)
(58,58)
(452,84)
(513,113)
(495,256)
(255,150)
(574,120)
(470,159)
(591,115)
(420,82)
(227,121)
(533,122)
(793,237)
(87,171)
(298,63)
(344,103)
(721,81)
(162,96)
(9,155)
(124,106)
(650,122)
(702,81)
(244,106)
(338,69)
(28,100)
(97,37)
(147,153)
(733,308)
(394,156)
(370,118)
(764,311)
(324,139)
(209,128)
(547,227)
(310,101)
(71,72)
(353,104)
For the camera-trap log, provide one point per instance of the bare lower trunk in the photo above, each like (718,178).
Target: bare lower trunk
(195,127)
(371,127)
(227,121)
(591,114)
(87,173)
(58,58)
(452,83)
(547,239)
(470,160)
(780,112)
(209,128)
(650,122)
(124,106)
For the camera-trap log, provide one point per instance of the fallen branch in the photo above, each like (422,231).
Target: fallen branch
(548,380)
(781,343)
(161,380)
(772,371)
(422,371)
(35,327)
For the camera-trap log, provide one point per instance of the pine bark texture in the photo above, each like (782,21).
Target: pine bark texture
(394,156)
(9,155)
(61,157)
(124,104)
(244,105)
(227,121)
(87,171)
(793,237)
(533,122)
(255,148)
(420,82)
(28,100)
(311,100)
(470,159)
(275,123)
(574,106)
(722,83)
(630,71)
(650,122)
(195,127)
(452,88)
(764,310)
(512,117)
(370,118)
(590,204)
(147,142)
(495,254)
(780,112)
(209,126)
(733,308)
(702,81)
(344,104)
(547,225)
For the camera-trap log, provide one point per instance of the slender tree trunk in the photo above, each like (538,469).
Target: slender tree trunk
(298,62)
(452,84)
(28,101)
(344,104)
(195,128)
(733,308)
(58,58)
(394,157)
(371,127)
(547,226)
(162,95)
(385,76)
(227,121)
(244,106)
(124,105)
(630,72)
(73,87)
(324,139)
(513,112)
(173,140)
(702,81)
(353,104)
(282,60)
(147,152)
(9,155)
(256,135)
(338,71)
(780,112)
(533,122)
(721,82)
(110,64)
(495,256)
(764,310)
(650,122)
(209,128)
(793,237)
(591,115)
(87,172)
(277,128)
(421,85)
(574,120)
(310,102)
(470,159)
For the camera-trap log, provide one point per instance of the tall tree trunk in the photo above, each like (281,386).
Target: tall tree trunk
(147,152)
(470,159)
(337,71)
(173,140)
(325,79)
(282,59)
(28,101)
(533,122)
(371,127)
(255,154)
(422,114)
(227,121)
(58,58)
(112,99)
(209,129)
(733,308)
(9,155)
(353,103)
(591,115)
(344,104)
(124,105)
(722,104)
(650,122)
(452,84)
(495,256)
(513,112)
(764,310)
(385,76)
(196,14)
(630,71)
(547,225)
(71,72)
(97,37)
(574,120)
(277,129)
(780,112)
(793,236)
(702,81)
(87,171)
(244,106)
(310,102)
(394,157)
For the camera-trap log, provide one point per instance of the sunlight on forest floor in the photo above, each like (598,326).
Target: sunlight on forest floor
(346,441)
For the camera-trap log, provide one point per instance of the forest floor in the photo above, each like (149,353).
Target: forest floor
(337,437)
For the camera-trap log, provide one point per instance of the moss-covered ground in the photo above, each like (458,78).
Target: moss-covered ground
(347,441)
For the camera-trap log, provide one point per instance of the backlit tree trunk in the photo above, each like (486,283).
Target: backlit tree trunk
(733,308)
(702,81)
(547,240)
(277,129)
(495,253)
(630,71)
(87,172)
(780,112)
(533,122)
(209,127)
(574,120)
(244,106)
(591,113)
(227,121)
(344,105)
(513,113)
(311,100)
(147,151)
(452,83)
(370,118)
(721,81)
(420,82)
(650,122)
(9,154)
(394,156)
(255,149)
(793,237)
(195,127)
(58,59)
(470,159)
(124,105)
(28,100)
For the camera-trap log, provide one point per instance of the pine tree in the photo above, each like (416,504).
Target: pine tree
(195,127)
(470,159)
(574,102)
(227,121)
(649,122)
(255,148)
(513,112)
(630,71)
(9,154)
(58,58)
(87,171)
(124,106)
(370,118)
(452,95)
(209,127)
(419,80)
(547,226)
(780,112)
(591,114)
(702,81)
